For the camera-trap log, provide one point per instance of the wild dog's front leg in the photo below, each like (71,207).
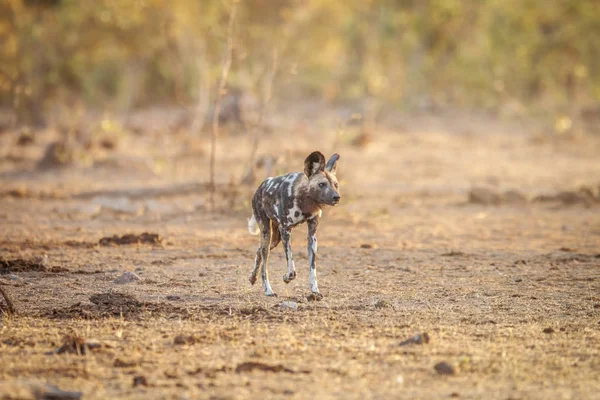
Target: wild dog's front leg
(312,264)
(287,248)
(265,245)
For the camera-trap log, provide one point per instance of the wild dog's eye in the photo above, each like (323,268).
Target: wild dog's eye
(322,184)
(336,185)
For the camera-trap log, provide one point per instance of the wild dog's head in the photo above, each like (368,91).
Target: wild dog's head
(323,186)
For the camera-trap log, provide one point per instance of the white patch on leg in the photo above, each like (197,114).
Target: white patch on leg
(291,274)
(314,244)
(312,280)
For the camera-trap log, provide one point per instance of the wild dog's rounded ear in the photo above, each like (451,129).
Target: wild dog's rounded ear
(332,163)
(314,163)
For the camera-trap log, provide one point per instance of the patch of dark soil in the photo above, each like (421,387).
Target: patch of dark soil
(584,196)
(78,244)
(454,254)
(257,310)
(254,365)
(83,272)
(144,238)
(114,300)
(185,339)
(103,305)
(140,380)
(119,363)
(485,196)
(21,265)
(57,269)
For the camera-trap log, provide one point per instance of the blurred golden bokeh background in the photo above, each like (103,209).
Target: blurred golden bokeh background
(503,56)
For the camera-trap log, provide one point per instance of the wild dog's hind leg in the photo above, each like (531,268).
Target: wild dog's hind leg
(312,264)
(257,263)
(275,239)
(265,245)
(287,248)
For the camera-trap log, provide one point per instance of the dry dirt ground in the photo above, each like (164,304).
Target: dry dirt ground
(484,234)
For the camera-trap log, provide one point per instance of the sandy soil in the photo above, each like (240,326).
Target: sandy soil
(484,234)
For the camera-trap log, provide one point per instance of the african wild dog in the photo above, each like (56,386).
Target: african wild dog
(285,201)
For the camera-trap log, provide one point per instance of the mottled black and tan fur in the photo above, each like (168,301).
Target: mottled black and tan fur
(285,201)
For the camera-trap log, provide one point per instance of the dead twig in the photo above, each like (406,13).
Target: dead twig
(264,102)
(9,303)
(220,91)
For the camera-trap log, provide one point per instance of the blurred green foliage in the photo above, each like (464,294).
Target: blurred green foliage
(129,53)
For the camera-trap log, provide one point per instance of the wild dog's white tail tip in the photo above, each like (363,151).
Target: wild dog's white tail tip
(253,226)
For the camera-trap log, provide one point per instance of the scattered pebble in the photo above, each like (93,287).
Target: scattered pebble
(173,297)
(443,368)
(368,246)
(518,280)
(140,381)
(421,338)
(124,364)
(185,339)
(548,330)
(127,277)
(52,392)
(380,303)
(292,305)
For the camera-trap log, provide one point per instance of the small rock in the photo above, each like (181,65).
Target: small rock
(421,338)
(518,280)
(368,246)
(173,297)
(454,394)
(127,277)
(443,368)
(292,305)
(140,381)
(380,303)
(124,364)
(50,392)
(548,330)
(184,339)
